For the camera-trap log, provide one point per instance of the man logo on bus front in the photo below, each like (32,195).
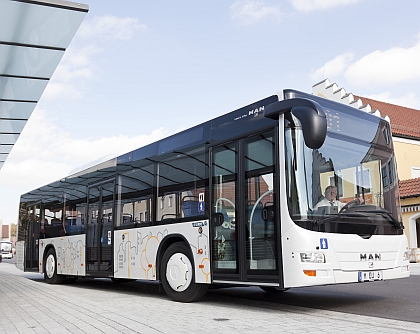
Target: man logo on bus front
(370,257)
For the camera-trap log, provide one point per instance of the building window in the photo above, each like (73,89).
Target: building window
(391,172)
(362,177)
(384,177)
(415,172)
(386,135)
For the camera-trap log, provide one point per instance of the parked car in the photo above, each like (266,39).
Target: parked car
(7,249)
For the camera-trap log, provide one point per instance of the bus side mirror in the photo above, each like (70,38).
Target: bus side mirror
(314,126)
(310,114)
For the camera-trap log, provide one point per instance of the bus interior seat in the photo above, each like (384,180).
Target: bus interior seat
(71,225)
(127,218)
(189,205)
(168,217)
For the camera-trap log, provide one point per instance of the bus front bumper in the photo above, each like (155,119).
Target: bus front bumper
(338,276)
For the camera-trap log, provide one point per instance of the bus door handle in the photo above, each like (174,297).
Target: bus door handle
(268,213)
(218,218)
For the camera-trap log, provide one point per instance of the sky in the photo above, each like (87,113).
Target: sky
(138,71)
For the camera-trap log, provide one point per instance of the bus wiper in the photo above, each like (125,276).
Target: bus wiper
(386,214)
(320,222)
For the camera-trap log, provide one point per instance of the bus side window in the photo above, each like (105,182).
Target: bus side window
(182,180)
(133,200)
(75,209)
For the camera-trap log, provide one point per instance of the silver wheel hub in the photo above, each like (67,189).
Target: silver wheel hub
(50,266)
(179,272)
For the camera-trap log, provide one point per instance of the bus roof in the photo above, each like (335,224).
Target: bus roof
(235,124)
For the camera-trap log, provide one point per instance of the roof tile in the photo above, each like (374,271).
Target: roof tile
(410,188)
(404,121)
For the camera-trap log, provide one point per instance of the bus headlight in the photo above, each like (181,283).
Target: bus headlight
(312,257)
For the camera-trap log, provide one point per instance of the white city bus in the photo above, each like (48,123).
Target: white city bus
(7,249)
(230,201)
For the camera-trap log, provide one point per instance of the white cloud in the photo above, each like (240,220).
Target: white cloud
(314,5)
(409,100)
(76,64)
(44,153)
(22,174)
(332,68)
(61,90)
(79,63)
(251,11)
(384,68)
(111,28)
(379,69)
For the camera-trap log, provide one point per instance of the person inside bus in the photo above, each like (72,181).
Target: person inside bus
(330,199)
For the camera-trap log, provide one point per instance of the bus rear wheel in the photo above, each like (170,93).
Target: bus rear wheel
(70,280)
(50,273)
(177,274)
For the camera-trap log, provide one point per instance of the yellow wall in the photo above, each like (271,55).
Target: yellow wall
(407,153)
(406,215)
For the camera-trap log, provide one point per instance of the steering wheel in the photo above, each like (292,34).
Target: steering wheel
(350,204)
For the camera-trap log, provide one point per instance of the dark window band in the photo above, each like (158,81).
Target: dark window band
(22,77)
(78,7)
(22,101)
(13,119)
(33,46)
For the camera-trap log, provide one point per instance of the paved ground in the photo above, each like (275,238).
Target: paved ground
(28,305)
(415,268)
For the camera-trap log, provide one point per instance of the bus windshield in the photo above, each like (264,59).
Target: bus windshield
(349,185)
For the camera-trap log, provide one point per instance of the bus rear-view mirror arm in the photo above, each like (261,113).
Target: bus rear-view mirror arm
(310,114)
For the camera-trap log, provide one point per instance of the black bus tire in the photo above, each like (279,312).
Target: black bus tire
(272,289)
(177,274)
(50,273)
(121,280)
(70,280)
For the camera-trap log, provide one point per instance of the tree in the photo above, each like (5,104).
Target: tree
(13,230)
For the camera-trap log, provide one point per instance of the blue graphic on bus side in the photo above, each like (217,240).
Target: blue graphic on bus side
(323,243)
(201,206)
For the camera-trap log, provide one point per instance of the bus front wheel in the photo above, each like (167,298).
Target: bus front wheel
(50,273)
(177,274)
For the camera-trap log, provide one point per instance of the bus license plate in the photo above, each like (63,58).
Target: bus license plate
(368,276)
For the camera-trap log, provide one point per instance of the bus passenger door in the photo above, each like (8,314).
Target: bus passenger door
(99,232)
(32,238)
(224,212)
(262,244)
(245,244)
